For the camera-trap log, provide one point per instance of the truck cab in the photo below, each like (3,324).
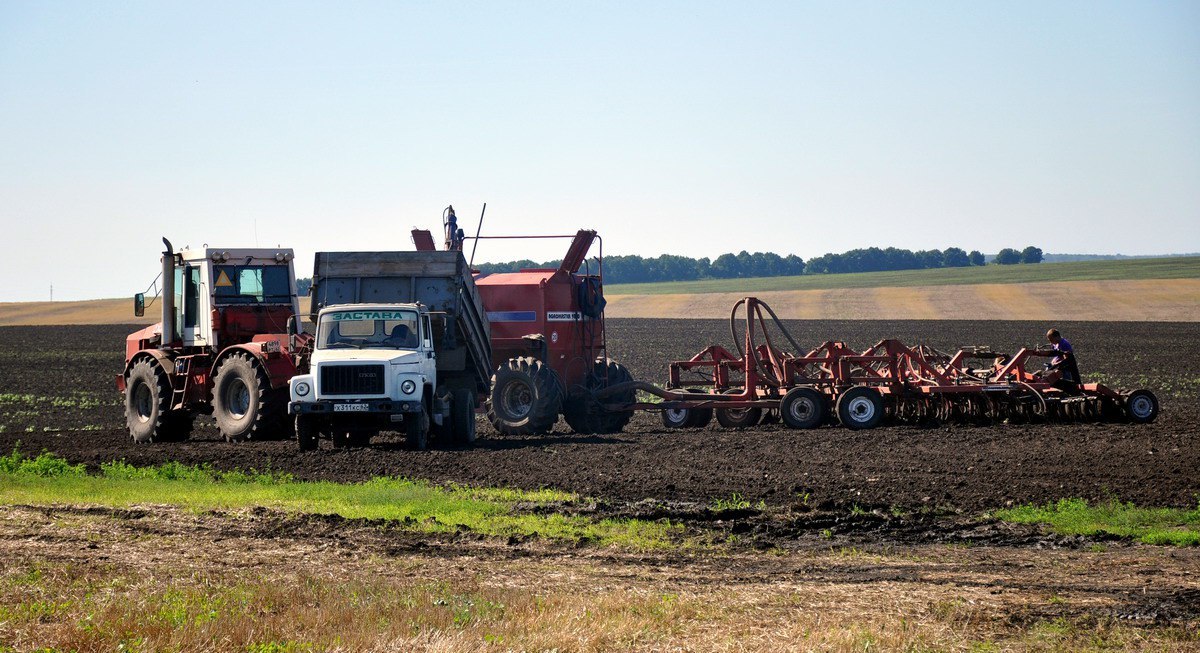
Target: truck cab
(373,367)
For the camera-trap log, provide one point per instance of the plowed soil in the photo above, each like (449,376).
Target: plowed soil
(57,394)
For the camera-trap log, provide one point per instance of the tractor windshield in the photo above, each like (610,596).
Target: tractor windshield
(361,329)
(252,284)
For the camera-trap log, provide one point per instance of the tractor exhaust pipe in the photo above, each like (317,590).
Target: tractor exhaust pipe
(168,294)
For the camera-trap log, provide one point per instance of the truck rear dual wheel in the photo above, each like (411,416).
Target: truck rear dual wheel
(244,404)
(526,397)
(586,415)
(148,413)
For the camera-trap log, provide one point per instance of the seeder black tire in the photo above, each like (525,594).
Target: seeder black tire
(586,416)
(462,417)
(685,418)
(1141,406)
(307,434)
(526,397)
(860,408)
(244,404)
(802,408)
(147,406)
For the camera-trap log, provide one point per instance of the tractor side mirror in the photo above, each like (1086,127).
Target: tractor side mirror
(139,304)
(291,331)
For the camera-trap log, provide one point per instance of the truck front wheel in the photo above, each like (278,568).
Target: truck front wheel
(416,430)
(526,397)
(307,433)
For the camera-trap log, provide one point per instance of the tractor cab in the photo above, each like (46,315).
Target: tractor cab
(213,298)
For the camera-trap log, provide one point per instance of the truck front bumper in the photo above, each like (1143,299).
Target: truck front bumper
(334,407)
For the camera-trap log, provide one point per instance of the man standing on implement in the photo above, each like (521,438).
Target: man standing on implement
(1065,360)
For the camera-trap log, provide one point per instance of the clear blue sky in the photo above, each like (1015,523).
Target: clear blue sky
(688,128)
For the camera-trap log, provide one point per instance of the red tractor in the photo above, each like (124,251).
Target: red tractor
(225,346)
(548,343)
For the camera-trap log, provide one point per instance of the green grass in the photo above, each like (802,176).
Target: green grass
(1183,267)
(406,504)
(1175,526)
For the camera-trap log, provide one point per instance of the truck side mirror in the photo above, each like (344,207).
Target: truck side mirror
(291,332)
(139,304)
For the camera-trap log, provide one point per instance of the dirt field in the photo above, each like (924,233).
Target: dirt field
(62,399)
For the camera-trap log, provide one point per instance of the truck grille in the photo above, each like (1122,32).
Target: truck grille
(351,379)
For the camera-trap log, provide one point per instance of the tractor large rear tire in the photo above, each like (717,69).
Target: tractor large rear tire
(462,418)
(148,413)
(244,404)
(526,397)
(586,415)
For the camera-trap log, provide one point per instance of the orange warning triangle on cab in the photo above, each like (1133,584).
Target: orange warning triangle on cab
(223,280)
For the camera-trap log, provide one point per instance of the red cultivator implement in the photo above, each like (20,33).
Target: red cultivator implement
(889,382)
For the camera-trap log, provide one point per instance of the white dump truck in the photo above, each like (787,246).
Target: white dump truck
(416,359)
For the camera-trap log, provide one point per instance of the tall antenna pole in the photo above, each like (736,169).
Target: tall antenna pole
(51,292)
(478,229)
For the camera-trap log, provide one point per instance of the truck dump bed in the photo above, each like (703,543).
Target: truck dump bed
(440,280)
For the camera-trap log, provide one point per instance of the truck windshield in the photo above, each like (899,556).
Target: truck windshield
(252,284)
(368,328)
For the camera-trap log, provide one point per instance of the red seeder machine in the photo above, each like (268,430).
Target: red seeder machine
(889,382)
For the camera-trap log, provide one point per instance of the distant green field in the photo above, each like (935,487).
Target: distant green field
(1155,268)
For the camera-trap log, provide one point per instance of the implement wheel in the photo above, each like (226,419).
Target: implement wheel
(802,408)
(1141,406)
(683,418)
(732,418)
(860,408)
(526,397)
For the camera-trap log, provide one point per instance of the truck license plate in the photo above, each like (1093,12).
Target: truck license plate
(350,408)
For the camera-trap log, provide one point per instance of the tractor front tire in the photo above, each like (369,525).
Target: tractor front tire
(586,415)
(244,405)
(148,411)
(526,397)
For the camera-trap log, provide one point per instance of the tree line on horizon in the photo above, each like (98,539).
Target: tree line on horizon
(671,267)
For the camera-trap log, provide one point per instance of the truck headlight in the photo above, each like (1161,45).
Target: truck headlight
(408,387)
(302,389)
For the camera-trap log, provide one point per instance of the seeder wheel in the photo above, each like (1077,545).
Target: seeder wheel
(1141,406)
(860,408)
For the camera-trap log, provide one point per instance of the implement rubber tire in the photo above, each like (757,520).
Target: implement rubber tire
(148,415)
(688,418)
(526,397)
(1141,406)
(307,433)
(416,430)
(860,408)
(733,418)
(802,408)
(462,417)
(585,415)
(244,405)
